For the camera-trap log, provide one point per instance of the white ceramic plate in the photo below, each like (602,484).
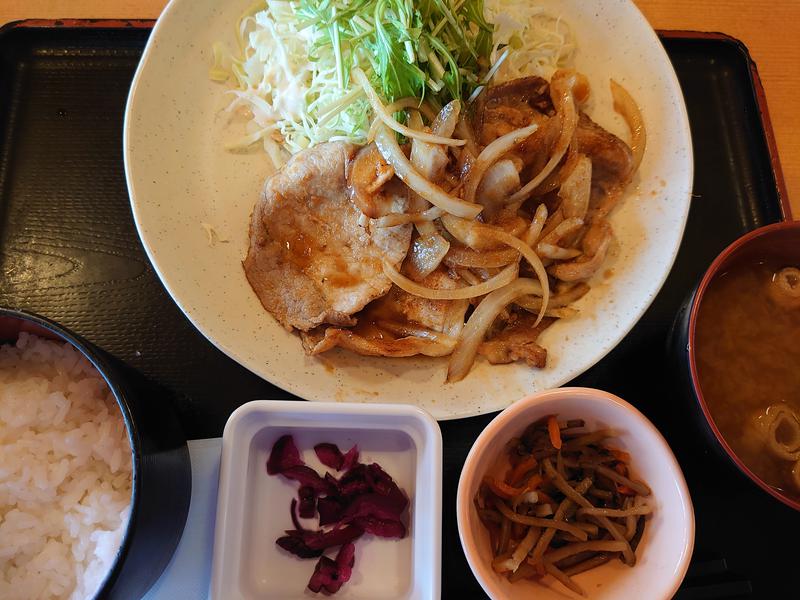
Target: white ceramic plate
(179,176)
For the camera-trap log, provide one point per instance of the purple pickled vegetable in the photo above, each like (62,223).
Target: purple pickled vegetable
(365,499)
(376,505)
(329,575)
(334,537)
(308,501)
(284,456)
(346,558)
(350,459)
(308,477)
(379,479)
(329,455)
(333,483)
(305,543)
(326,576)
(330,510)
(354,481)
(297,546)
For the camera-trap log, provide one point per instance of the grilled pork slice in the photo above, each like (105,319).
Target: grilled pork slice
(398,324)
(517,341)
(309,260)
(520,102)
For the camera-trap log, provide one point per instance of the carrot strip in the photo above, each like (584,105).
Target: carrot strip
(527,464)
(620,455)
(501,488)
(625,490)
(554,431)
(534,482)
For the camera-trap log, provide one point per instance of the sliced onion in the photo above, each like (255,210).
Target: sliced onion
(429,159)
(626,106)
(479,322)
(503,278)
(476,235)
(427,228)
(373,129)
(470,233)
(411,103)
(467,257)
(415,120)
(425,255)
(555,178)
(554,252)
(468,276)
(536,264)
(498,183)
(552,222)
(564,228)
(485,273)
(576,188)
(560,313)
(510,222)
(548,246)
(534,304)
(410,330)
(568,114)
(393,219)
(418,204)
(491,154)
(470,149)
(391,152)
(578,269)
(385,116)
(454,318)
(445,122)
(537,224)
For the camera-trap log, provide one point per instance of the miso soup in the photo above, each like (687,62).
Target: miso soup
(747,348)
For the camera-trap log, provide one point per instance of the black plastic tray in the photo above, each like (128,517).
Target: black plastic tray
(69,251)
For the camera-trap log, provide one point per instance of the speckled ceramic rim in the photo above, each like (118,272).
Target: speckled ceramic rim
(489,435)
(721,261)
(120,396)
(309,391)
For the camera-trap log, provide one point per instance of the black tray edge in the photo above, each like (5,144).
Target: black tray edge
(760,98)
(78,24)
(758,87)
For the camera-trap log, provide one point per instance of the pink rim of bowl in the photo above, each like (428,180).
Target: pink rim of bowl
(719,263)
(489,436)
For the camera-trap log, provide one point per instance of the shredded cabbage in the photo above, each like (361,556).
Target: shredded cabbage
(291,73)
(539,43)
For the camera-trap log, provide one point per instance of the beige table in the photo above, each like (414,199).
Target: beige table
(769,29)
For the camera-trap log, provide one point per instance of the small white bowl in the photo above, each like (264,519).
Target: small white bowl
(666,547)
(253,507)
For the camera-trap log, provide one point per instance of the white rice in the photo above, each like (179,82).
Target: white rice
(65,472)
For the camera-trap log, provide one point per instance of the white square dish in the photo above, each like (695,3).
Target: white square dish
(253,507)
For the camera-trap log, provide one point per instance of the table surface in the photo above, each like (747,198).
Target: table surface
(768,30)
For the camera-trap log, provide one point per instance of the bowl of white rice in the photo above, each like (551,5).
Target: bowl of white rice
(94,471)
